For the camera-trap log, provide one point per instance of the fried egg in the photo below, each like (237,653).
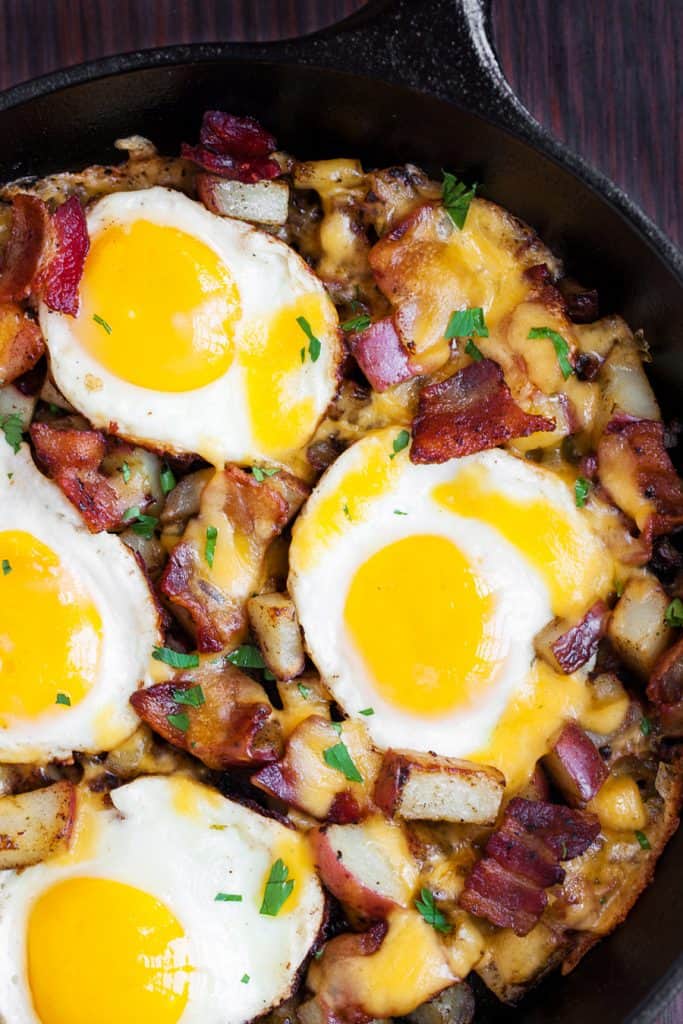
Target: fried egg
(420,589)
(153,916)
(77,623)
(196,333)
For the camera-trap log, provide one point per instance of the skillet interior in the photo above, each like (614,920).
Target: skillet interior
(317,113)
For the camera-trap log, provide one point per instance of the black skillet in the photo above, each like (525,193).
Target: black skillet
(411,80)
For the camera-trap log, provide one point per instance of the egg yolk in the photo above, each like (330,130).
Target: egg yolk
(276,355)
(50,630)
(573,564)
(417,615)
(158,307)
(102,950)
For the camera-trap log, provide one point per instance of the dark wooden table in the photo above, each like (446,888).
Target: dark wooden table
(605,75)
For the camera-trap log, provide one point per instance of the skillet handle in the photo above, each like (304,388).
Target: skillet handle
(438,46)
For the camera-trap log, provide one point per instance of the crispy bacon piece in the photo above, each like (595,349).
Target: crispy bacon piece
(215,609)
(665,689)
(21,343)
(28,236)
(568,648)
(636,471)
(72,458)
(61,273)
(231,728)
(379,352)
(234,147)
(575,765)
(507,886)
(469,412)
(583,306)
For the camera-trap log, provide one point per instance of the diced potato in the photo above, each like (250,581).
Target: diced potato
(274,621)
(575,765)
(637,628)
(36,825)
(12,401)
(262,202)
(619,805)
(455,1005)
(427,787)
(624,386)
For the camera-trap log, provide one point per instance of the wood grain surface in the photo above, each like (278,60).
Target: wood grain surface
(605,75)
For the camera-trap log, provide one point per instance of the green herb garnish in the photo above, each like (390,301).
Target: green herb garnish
(305,691)
(140,523)
(464,323)
(278,889)
(401,441)
(102,322)
(227,897)
(314,345)
(367,712)
(643,840)
(338,757)
(176,659)
(456,198)
(581,490)
(345,510)
(645,726)
(674,613)
(431,913)
(193,696)
(6,567)
(210,545)
(356,323)
(473,352)
(246,656)
(245,979)
(559,344)
(125,472)
(168,480)
(180,721)
(260,474)
(63,698)
(13,429)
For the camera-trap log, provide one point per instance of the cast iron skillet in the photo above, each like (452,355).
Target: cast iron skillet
(412,80)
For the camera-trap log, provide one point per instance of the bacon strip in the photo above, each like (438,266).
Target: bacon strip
(469,412)
(28,236)
(379,352)
(567,649)
(60,276)
(507,886)
(234,147)
(665,689)
(231,728)
(21,343)
(636,471)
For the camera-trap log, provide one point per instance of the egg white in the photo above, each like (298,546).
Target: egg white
(220,846)
(212,420)
(114,582)
(521,603)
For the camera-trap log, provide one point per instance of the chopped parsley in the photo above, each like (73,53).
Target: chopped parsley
(314,345)
(645,726)
(140,523)
(305,691)
(193,696)
(227,897)
(674,613)
(581,490)
(63,698)
(245,979)
(356,323)
(278,889)
(260,474)
(180,721)
(338,757)
(13,429)
(345,510)
(431,913)
(465,323)
(559,344)
(367,712)
(102,322)
(210,546)
(398,512)
(246,656)
(302,353)
(168,480)
(456,198)
(618,588)
(6,567)
(337,727)
(401,441)
(473,352)
(176,659)
(643,840)
(125,472)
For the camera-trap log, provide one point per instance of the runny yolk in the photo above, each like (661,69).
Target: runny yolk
(158,307)
(417,615)
(102,950)
(50,630)
(573,564)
